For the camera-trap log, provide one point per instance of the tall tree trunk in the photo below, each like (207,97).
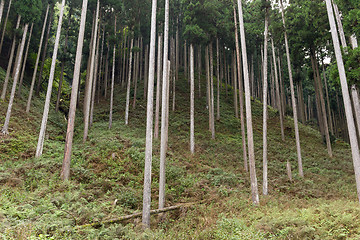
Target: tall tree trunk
(164,109)
(158,85)
(212,92)
(136,72)
(340,26)
(5,23)
(44,52)
(25,60)
(65,171)
(37,61)
(265,112)
(347,103)
(278,98)
(91,75)
(6,81)
(192,93)
(63,64)
(208,84)
(241,93)
(253,180)
(185,59)
(199,69)
(146,74)
(1,9)
(112,80)
(39,148)
(235,87)
(297,137)
(322,103)
(5,129)
(106,70)
(129,84)
(218,78)
(149,121)
(328,100)
(124,63)
(95,77)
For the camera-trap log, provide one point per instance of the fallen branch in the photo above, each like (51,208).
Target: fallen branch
(135,215)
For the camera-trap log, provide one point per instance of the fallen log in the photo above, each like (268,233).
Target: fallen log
(135,215)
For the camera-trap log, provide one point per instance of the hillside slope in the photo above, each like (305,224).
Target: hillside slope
(107,174)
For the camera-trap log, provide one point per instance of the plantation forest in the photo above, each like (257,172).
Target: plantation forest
(179,119)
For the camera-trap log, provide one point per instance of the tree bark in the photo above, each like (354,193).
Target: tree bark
(10,63)
(278,98)
(218,78)
(293,100)
(39,148)
(37,61)
(265,112)
(1,9)
(192,79)
(164,109)
(5,23)
(91,75)
(253,180)
(241,94)
(158,85)
(5,129)
(212,92)
(347,103)
(44,53)
(149,121)
(112,82)
(65,171)
(129,85)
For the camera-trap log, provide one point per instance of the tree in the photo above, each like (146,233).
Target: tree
(5,23)
(265,102)
(65,170)
(91,76)
(39,148)
(37,61)
(149,122)
(5,129)
(254,185)
(346,97)
(293,100)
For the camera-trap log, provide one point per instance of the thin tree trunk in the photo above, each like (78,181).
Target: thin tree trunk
(158,85)
(136,72)
(192,93)
(328,100)
(235,88)
(25,60)
(212,92)
(218,78)
(5,23)
(63,65)
(6,81)
(44,53)
(39,148)
(208,84)
(5,129)
(297,137)
(37,61)
(346,98)
(164,109)
(91,75)
(339,24)
(112,87)
(65,171)
(95,77)
(146,74)
(278,98)
(253,180)
(129,85)
(106,70)
(199,69)
(1,9)
(265,112)
(185,59)
(241,93)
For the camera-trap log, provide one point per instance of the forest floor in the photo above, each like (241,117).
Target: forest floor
(107,178)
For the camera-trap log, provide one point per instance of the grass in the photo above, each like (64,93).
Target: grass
(107,178)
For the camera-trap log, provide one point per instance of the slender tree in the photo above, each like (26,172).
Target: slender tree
(254,185)
(112,82)
(91,75)
(149,122)
(346,97)
(40,144)
(65,170)
(164,109)
(265,112)
(293,99)
(192,99)
(5,129)
(37,60)
(158,86)
(129,84)
(5,23)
